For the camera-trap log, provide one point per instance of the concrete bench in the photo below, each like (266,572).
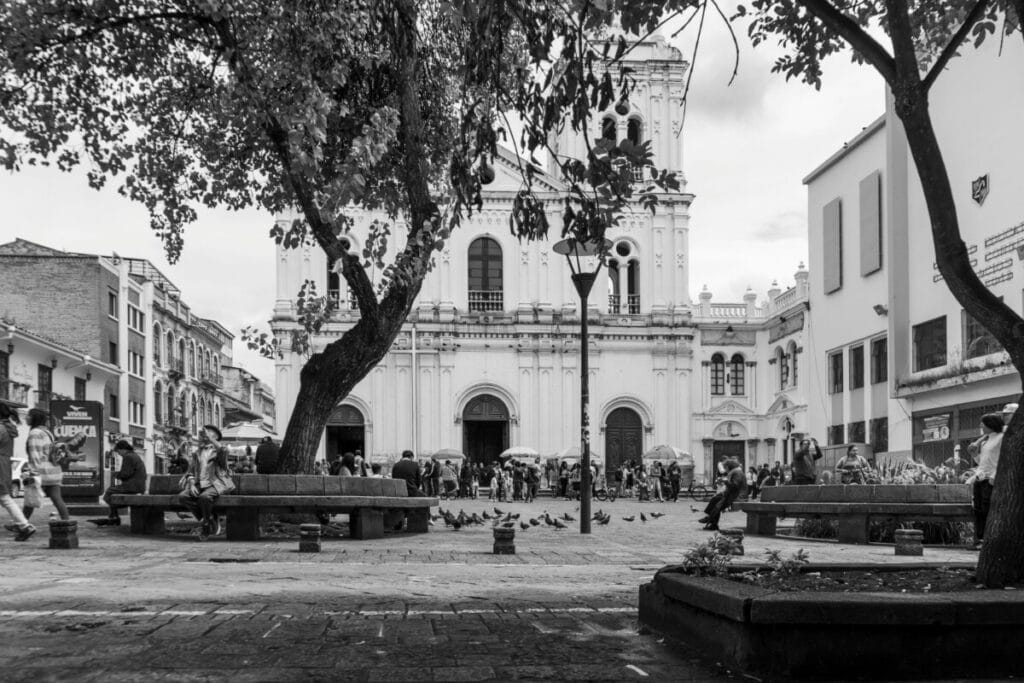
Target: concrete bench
(855,506)
(366,500)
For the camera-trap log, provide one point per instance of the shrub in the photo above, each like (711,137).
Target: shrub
(710,558)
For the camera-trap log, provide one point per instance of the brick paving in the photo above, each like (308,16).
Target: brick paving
(437,606)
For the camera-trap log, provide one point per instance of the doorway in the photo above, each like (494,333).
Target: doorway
(346,432)
(623,438)
(484,429)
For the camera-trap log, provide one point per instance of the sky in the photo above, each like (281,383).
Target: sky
(746,148)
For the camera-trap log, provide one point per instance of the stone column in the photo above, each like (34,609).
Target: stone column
(752,455)
(709,459)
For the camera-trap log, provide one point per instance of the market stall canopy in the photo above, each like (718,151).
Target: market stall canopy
(447,454)
(245,431)
(668,453)
(519,452)
(573,453)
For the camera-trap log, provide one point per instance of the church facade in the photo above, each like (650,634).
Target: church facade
(490,355)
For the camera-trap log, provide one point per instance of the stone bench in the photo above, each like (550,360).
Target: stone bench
(855,506)
(366,500)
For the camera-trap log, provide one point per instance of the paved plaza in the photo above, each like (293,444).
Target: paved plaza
(438,606)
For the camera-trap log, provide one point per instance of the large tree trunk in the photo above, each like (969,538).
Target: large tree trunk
(1002,557)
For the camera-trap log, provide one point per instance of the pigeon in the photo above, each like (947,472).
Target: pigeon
(643,517)
(498,512)
(693,509)
(476,519)
(569,518)
(508,525)
(559,525)
(628,519)
(515,516)
(598,515)
(524,526)
(486,516)
(434,518)
(534,522)
(508,517)
(656,515)
(431,521)
(604,520)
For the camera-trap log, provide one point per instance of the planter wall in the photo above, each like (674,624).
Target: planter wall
(868,493)
(839,635)
(293,484)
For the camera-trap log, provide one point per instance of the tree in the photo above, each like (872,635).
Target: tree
(322,106)
(923,35)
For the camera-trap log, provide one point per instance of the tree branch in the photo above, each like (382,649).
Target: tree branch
(857,37)
(954,43)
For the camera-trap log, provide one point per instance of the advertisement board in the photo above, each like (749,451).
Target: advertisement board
(936,427)
(82,479)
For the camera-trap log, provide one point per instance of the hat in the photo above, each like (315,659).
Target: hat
(215,430)
(1010,408)
(123,445)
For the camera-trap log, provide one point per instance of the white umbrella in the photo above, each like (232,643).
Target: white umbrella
(519,452)
(449,454)
(574,453)
(667,453)
(247,431)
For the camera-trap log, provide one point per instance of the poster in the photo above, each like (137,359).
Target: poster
(82,479)
(936,427)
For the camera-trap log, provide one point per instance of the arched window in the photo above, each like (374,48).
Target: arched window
(158,345)
(634,129)
(181,355)
(609,129)
(624,279)
(718,375)
(192,359)
(737,379)
(183,411)
(485,275)
(202,408)
(782,362)
(209,412)
(216,416)
(216,365)
(792,363)
(195,415)
(158,400)
(170,406)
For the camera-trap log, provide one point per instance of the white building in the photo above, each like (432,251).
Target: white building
(489,357)
(895,360)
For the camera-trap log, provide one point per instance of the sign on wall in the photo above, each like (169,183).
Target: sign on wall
(82,479)
(935,427)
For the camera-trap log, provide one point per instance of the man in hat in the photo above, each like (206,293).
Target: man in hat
(132,476)
(208,478)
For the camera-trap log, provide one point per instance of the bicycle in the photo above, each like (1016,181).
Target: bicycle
(700,492)
(606,495)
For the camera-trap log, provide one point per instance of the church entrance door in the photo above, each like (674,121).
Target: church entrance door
(484,429)
(623,438)
(346,432)
(731,449)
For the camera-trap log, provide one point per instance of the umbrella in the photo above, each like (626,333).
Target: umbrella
(574,453)
(449,454)
(518,452)
(667,453)
(246,431)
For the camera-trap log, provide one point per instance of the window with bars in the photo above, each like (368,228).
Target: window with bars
(835,373)
(835,435)
(977,340)
(737,378)
(855,432)
(485,275)
(930,344)
(783,362)
(718,375)
(880,434)
(879,360)
(857,367)
(79,389)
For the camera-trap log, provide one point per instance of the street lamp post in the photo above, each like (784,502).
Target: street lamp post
(575,250)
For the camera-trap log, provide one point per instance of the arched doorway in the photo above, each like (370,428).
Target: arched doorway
(484,429)
(346,432)
(623,438)
(730,443)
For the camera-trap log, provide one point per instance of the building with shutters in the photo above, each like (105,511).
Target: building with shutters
(489,356)
(894,360)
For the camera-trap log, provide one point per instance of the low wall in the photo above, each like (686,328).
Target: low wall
(839,635)
(294,484)
(868,493)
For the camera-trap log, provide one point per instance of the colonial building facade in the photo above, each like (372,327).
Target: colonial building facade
(490,355)
(895,361)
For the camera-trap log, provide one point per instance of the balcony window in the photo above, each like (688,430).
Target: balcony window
(718,375)
(930,344)
(857,367)
(879,361)
(485,276)
(737,378)
(977,340)
(835,375)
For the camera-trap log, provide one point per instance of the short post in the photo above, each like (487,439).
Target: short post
(736,536)
(909,542)
(309,538)
(504,541)
(63,534)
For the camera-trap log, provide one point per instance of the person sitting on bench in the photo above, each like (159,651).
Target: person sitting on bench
(132,476)
(735,483)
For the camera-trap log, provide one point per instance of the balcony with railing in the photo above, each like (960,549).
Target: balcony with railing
(212,379)
(350,300)
(631,305)
(175,421)
(486,301)
(12,392)
(176,367)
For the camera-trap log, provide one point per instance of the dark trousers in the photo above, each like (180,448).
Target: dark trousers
(116,488)
(53,493)
(674,483)
(982,502)
(201,504)
(719,504)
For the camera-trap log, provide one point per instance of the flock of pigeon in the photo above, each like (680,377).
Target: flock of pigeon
(509,521)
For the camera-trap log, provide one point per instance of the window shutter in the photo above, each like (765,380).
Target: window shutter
(871,224)
(832,233)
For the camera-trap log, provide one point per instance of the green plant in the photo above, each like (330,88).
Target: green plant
(780,568)
(710,558)
(816,528)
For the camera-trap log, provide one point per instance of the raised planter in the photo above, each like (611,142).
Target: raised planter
(839,635)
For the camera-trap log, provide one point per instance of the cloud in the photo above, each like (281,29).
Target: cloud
(788,225)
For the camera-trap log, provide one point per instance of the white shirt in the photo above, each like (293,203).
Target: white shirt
(988,458)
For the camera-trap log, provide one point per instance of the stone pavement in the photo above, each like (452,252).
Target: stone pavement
(437,606)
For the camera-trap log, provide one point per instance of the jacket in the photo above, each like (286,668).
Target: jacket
(7,436)
(39,448)
(408,469)
(220,475)
(803,461)
(266,457)
(133,473)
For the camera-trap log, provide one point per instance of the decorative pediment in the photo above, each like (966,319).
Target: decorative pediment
(730,408)
(507,177)
(782,403)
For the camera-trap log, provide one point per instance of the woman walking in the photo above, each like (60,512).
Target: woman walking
(8,432)
(39,449)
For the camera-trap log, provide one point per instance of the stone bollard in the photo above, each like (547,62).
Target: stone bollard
(909,542)
(63,534)
(504,541)
(309,538)
(736,535)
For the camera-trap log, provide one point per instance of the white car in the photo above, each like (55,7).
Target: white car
(17,470)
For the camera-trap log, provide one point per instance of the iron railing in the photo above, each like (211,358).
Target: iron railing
(485,301)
